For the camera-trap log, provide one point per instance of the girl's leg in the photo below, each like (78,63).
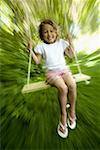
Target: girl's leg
(70,82)
(62,94)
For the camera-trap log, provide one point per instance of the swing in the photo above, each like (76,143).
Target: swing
(32,87)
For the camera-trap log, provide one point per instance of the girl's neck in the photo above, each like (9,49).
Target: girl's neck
(50,43)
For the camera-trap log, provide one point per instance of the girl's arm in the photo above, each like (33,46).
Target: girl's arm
(36,57)
(69,51)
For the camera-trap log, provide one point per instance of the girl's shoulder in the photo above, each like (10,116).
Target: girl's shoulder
(63,41)
(40,44)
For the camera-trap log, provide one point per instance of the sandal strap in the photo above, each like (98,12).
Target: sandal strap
(62,126)
(72,119)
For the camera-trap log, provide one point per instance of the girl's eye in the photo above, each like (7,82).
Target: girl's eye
(44,32)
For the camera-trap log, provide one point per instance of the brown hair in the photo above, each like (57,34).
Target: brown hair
(46,21)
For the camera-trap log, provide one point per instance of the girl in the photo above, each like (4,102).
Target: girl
(52,49)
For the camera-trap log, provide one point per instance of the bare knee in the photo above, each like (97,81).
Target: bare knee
(72,86)
(63,89)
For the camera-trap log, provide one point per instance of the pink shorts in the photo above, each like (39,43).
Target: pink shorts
(55,74)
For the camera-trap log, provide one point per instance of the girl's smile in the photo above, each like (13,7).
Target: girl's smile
(49,34)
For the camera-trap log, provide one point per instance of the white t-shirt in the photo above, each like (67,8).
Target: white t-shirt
(53,54)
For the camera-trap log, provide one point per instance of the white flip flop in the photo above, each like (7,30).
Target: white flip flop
(73,125)
(60,133)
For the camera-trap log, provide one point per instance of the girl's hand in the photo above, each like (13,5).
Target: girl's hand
(30,45)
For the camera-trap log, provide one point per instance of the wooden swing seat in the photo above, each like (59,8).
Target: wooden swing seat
(32,87)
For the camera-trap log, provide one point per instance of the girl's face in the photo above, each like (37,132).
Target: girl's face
(49,34)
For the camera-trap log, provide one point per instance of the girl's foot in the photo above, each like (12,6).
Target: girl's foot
(72,122)
(62,130)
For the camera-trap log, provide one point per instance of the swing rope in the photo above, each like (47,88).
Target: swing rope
(74,53)
(75,56)
(80,74)
(29,68)
(28,31)
(76,59)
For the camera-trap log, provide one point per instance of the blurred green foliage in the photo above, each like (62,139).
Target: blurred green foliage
(28,122)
